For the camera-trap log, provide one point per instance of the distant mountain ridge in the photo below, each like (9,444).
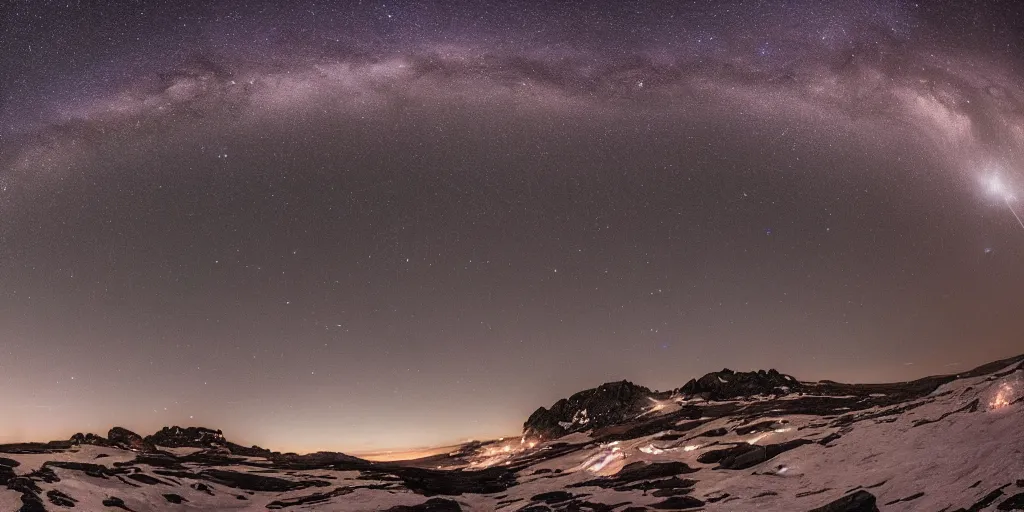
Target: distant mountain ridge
(614,402)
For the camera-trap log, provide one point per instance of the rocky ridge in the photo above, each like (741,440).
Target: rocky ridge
(939,443)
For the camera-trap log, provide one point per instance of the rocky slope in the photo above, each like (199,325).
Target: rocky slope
(947,443)
(605,405)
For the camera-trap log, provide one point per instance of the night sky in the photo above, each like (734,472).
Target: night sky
(354,226)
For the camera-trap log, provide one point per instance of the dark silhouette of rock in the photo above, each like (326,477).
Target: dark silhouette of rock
(7,470)
(60,499)
(44,474)
(174,498)
(190,437)
(989,499)
(31,503)
(553,497)
(90,438)
(6,474)
(250,451)
(318,460)
(23,484)
(24,448)
(672,486)
(678,503)
(431,482)
(431,505)
(114,501)
(124,438)
(201,487)
(93,470)
(1015,502)
(252,482)
(860,501)
(727,384)
(605,405)
(744,456)
(30,500)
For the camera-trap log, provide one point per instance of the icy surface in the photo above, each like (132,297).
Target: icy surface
(943,447)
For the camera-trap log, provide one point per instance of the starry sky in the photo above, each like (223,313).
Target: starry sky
(365,225)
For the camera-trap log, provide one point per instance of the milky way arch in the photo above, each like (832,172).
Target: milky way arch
(863,71)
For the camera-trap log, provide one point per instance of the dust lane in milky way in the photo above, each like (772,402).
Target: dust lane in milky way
(395,225)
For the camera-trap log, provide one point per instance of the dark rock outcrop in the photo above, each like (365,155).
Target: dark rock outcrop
(93,470)
(250,451)
(860,501)
(174,498)
(7,470)
(201,487)
(90,438)
(433,482)
(24,448)
(114,501)
(989,499)
(190,437)
(60,499)
(30,500)
(727,384)
(431,505)
(605,405)
(252,482)
(678,503)
(318,460)
(124,438)
(1015,502)
(745,456)
(552,497)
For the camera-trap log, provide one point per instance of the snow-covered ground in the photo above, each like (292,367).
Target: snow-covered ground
(948,449)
